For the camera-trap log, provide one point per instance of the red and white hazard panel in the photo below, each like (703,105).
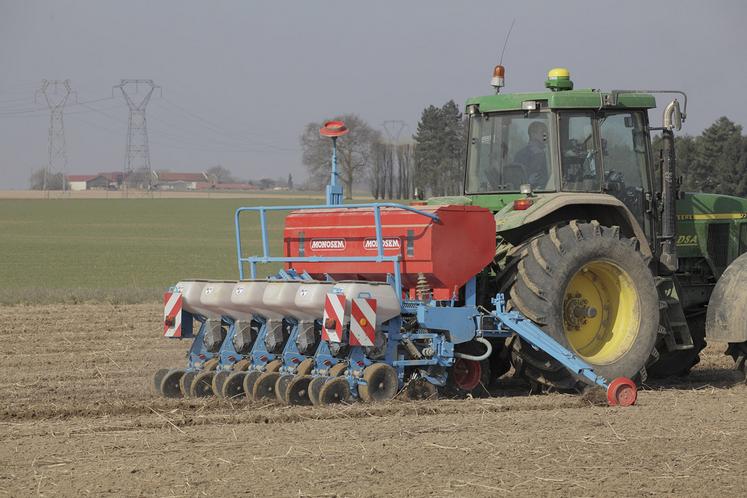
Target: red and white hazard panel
(172,314)
(363,322)
(334,317)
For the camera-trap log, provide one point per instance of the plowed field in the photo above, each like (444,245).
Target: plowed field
(78,417)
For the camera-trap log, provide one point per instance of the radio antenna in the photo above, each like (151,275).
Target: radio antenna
(505,43)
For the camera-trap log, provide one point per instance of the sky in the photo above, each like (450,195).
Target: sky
(240,80)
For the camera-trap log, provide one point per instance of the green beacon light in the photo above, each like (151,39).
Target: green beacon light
(558,79)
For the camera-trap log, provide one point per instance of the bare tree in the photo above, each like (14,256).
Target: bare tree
(354,152)
(404,171)
(219,174)
(53,181)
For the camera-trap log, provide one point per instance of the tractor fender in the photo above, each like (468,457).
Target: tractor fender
(606,209)
(726,319)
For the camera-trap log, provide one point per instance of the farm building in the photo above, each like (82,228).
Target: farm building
(100,181)
(78,182)
(225,186)
(165,180)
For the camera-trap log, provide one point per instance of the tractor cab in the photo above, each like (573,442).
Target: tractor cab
(561,140)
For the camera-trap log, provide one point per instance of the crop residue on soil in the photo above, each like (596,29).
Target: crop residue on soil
(79,417)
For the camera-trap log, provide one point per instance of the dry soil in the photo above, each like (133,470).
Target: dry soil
(78,417)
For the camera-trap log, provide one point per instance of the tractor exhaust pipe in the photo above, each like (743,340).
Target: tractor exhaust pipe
(669,190)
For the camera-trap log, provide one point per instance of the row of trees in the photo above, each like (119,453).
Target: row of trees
(714,161)
(432,165)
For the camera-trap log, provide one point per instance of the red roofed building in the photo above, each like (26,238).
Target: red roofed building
(166,180)
(78,182)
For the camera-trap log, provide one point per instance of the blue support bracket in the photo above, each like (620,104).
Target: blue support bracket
(535,336)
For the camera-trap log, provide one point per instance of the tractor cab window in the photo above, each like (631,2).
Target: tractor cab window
(507,150)
(624,155)
(579,156)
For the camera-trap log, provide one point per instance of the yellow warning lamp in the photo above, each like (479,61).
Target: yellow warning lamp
(558,79)
(497,80)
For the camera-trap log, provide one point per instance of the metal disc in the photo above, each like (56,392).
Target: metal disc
(170,383)
(264,388)
(336,390)
(233,387)
(281,388)
(338,369)
(158,377)
(218,380)
(305,367)
(381,383)
(202,385)
(298,390)
(314,387)
(420,389)
(248,383)
(185,383)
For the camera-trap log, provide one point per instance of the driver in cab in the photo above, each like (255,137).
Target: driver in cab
(533,156)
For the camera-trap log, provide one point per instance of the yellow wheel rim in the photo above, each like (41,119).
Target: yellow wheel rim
(601,314)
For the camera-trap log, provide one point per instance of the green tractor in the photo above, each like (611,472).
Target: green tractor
(594,241)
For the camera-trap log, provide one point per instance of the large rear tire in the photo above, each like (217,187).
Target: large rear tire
(592,291)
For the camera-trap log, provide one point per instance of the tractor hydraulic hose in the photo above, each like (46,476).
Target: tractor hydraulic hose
(484,356)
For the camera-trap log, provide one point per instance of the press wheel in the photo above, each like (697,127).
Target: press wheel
(305,367)
(264,388)
(314,387)
(202,385)
(335,390)
(298,390)
(419,389)
(234,385)
(185,383)
(281,388)
(218,380)
(338,369)
(273,366)
(381,383)
(248,383)
(170,383)
(158,377)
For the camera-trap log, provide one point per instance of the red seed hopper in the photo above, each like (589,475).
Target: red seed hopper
(447,252)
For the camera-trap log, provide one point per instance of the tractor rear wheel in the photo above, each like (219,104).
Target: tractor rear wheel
(592,291)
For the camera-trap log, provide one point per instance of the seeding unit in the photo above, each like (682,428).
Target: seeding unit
(374,299)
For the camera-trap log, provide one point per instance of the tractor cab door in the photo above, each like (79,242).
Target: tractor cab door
(625,159)
(608,151)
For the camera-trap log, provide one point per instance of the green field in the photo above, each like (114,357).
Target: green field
(122,250)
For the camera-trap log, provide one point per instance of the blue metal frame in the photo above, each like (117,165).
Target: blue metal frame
(266,258)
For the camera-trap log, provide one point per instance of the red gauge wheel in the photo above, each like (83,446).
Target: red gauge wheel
(622,392)
(466,373)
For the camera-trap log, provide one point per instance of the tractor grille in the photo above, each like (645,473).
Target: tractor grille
(718,244)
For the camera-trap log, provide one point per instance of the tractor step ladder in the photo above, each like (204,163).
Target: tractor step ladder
(673,318)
